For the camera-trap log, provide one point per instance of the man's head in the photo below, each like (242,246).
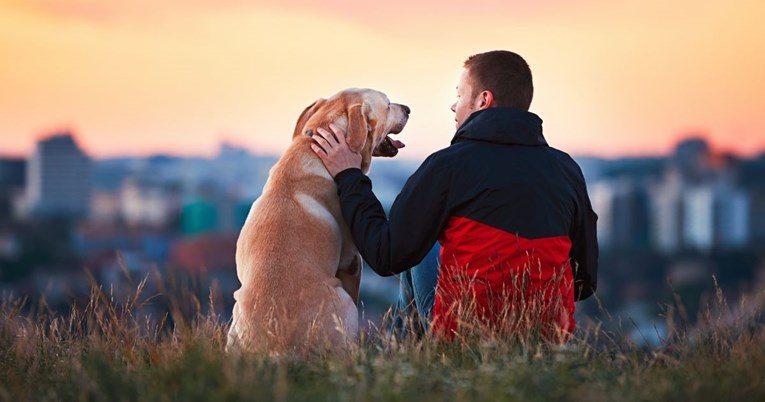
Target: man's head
(497,78)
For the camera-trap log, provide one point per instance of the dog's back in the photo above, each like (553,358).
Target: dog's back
(287,257)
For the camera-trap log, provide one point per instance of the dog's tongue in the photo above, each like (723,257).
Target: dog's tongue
(396,143)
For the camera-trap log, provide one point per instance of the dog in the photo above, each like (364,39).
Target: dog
(298,266)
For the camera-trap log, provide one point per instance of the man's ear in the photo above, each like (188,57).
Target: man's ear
(357,127)
(305,116)
(486,100)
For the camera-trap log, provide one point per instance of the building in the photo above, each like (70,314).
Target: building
(698,222)
(693,160)
(716,217)
(219,214)
(623,208)
(731,218)
(667,215)
(12,174)
(757,218)
(58,178)
(147,203)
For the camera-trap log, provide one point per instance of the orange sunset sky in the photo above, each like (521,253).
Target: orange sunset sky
(144,76)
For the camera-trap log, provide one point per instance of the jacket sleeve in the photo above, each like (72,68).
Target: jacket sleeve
(584,243)
(417,217)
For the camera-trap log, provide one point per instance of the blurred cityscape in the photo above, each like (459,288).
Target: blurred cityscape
(669,226)
(68,221)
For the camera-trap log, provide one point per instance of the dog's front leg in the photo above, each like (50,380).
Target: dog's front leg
(350,277)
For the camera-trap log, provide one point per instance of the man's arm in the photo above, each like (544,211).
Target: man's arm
(416,218)
(584,247)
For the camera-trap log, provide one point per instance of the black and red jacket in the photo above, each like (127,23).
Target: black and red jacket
(511,213)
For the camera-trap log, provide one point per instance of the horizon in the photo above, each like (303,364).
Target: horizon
(753,154)
(612,79)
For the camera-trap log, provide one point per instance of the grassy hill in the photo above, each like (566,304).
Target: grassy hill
(105,350)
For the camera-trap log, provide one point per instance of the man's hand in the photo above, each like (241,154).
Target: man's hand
(334,151)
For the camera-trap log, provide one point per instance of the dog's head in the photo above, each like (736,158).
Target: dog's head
(366,115)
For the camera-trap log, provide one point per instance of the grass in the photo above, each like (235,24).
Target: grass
(107,350)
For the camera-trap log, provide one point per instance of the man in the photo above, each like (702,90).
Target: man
(511,214)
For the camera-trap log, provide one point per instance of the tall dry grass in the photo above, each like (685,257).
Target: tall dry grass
(109,348)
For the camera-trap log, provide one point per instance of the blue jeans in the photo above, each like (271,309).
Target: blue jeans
(414,308)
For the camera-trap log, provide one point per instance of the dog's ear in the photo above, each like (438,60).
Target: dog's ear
(305,116)
(357,127)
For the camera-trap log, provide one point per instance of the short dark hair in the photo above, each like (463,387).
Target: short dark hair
(505,74)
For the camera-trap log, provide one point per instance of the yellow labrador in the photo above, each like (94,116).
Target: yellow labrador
(296,261)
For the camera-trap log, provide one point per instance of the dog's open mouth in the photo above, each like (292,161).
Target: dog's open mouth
(388,147)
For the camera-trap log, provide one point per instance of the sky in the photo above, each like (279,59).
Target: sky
(612,78)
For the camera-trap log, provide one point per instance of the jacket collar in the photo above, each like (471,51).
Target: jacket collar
(503,126)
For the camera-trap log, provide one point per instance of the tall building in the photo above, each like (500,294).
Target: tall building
(716,216)
(692,158)
(623,209)
(58,178)
(667,213)
(699,222)
(732,211)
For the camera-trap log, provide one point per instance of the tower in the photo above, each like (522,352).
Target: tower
(58,178)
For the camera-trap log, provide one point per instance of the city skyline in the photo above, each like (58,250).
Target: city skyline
(139,78)
(225,145)
(694,198)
